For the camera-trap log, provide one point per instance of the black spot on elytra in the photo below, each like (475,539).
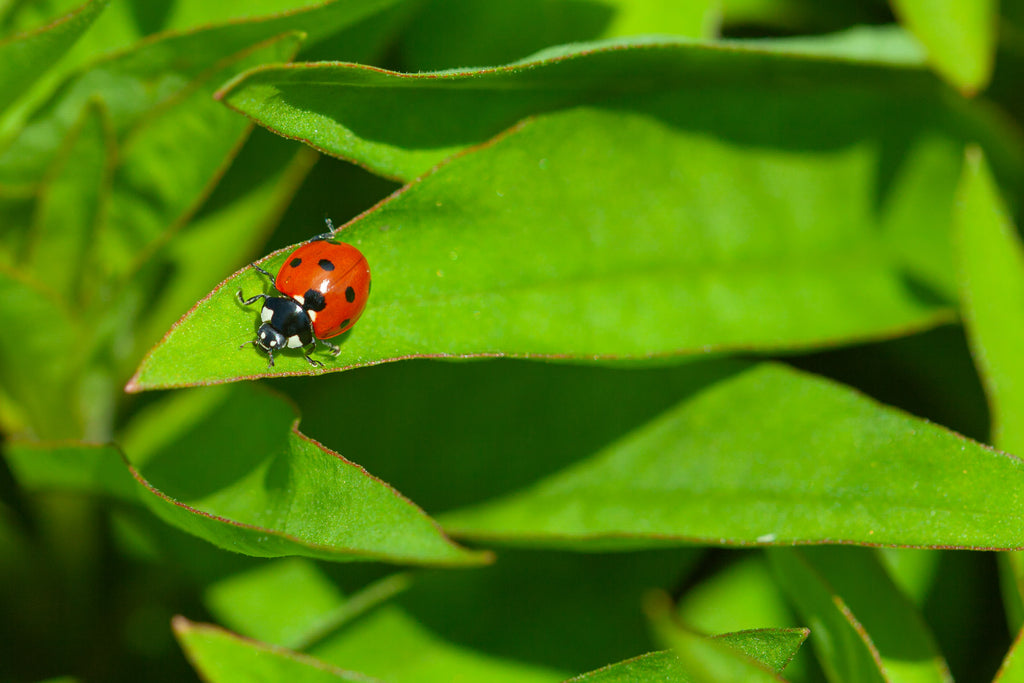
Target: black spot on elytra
(344,323)
(326,264)
(350,294)
(295,262)
(314,300)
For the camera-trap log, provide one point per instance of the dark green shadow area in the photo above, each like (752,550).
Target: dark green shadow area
(452,434)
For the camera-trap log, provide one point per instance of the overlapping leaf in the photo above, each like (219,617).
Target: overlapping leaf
(149,73)
(960,36)
(685,230)
(401,125)
(223,657)
(868,629)
(768,456)
(24,57)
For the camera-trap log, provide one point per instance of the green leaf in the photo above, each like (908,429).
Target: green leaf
(991,273)
(38,365)
(865,628)
(24,57)
(82,468)
(250,602)
(825,465)
(654,666)
(402,125)
(542,244)
(732,658)
(150,73)
(71,207)
(739,597)
(498,32)
(531,629)
(160,182)
(1012,668)
(232,468)
(229,234)
(222,657)
(960,36)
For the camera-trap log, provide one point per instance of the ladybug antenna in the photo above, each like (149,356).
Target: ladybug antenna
(330,224)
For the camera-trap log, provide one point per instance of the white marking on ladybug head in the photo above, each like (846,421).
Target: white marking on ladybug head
(266,314)
(294,342)
(263,334)
(273,342)
(301,299)
(312,315)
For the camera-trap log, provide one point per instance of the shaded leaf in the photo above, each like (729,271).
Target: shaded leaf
(149,73)
(232,468)
(71,207)
(24,57)
(160,182)
(960,36)
(82,468)
(824,465)
(250,603)
(868,629)
(532,626)
(712,660)
(498,33)
(1012,668)
(991,273)
(221,656)
(401,125)
(630,254)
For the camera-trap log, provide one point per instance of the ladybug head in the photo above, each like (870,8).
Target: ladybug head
(269,339)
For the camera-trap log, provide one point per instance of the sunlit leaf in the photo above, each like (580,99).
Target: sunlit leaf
(960,36)
(231,468)
(864,628)
(823,465)
(222,657)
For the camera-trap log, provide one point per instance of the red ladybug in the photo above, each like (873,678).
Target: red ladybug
(325,286)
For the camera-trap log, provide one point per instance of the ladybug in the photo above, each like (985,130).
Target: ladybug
(325,286)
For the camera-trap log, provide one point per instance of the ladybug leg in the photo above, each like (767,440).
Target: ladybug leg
(312,361)
(251,300)
(260,270)
(335,349)
(326,235)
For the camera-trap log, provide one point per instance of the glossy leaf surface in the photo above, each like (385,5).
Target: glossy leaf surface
(270,490)
(824,465)
(542,244)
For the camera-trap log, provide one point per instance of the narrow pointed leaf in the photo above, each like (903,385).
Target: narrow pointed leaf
(148,73)
(250,603)
(960,36)
(653,666)
(1012,668)
(824,465)
(845,650)
(991,272)
(897,631)
(542,244)
(223,657)
(232,468)
(72,205)
(402,124)
(713,660)
(24,57)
